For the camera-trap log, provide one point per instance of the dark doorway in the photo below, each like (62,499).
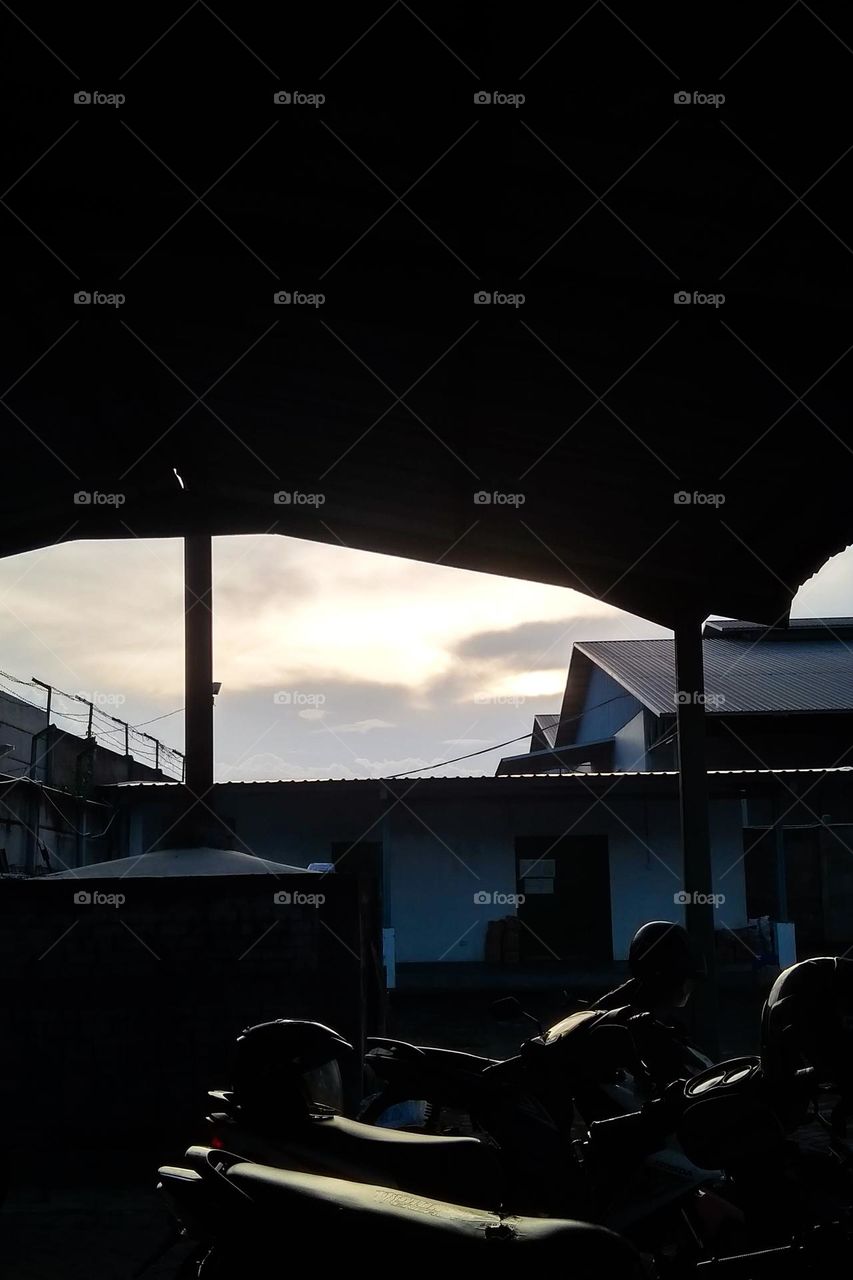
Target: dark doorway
(566,886)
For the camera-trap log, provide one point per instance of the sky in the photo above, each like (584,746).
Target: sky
(334,663)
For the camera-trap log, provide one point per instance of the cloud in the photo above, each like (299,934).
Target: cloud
(361,726)
(381,646)
(547,643)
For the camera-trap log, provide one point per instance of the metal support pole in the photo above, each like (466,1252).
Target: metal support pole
(779,860)
(198,663)
(695,837)
(46,730)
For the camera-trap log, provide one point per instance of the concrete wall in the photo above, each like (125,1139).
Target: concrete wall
(434,875)
(18,723)
(61,756)
(440,852)
(645,867)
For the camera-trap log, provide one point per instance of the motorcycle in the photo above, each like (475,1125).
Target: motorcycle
(651,1173)
(457,1168)
(248,1219)
(524,1158)
(599,1061)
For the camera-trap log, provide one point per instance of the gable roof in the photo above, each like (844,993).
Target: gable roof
(544,732)
(748,671)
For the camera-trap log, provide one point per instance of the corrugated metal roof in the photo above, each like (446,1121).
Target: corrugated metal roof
(547,727)
(575,776)
(742,675)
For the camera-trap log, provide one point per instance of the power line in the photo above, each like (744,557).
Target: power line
(484,751)
(156,718)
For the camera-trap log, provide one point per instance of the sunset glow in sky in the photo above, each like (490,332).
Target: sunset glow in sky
(385,664)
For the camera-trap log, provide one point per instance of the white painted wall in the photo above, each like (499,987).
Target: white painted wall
(432,881)
(435,868)
(645,867)
(439,853)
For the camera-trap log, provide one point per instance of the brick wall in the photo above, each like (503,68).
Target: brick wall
(114,1020)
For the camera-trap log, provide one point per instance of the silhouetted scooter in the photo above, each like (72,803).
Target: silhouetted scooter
(251,1221)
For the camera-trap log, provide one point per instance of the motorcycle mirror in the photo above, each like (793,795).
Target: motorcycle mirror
(507,1009)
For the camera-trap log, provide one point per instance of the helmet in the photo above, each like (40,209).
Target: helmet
(289,1069)
(662,955)
(808,1022)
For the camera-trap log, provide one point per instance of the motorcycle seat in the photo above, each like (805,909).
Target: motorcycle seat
(376,1218)
(458,1169)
